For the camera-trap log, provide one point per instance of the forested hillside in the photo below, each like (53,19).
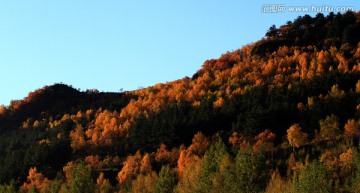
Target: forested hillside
(278,115)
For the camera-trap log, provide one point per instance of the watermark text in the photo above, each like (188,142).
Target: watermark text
(282,8)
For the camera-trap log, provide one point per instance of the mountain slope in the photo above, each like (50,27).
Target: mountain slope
(57,100)
(278,107)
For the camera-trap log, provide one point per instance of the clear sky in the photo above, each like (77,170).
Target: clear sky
(113,44)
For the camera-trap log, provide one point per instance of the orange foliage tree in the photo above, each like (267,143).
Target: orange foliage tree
(264,141)
(34,180)
(130,169)
(351,129)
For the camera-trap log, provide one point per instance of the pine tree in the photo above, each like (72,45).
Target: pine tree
(167,180)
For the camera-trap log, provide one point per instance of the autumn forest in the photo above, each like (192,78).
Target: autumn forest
(278,115)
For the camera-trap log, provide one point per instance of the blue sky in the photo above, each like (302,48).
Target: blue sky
(113,44)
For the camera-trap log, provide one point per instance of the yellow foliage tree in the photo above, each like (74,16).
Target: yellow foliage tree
(277,184)
(144,183)
(347,161)
(296,136)
(77,138)
(103,185)
(329,128)
(186,158)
